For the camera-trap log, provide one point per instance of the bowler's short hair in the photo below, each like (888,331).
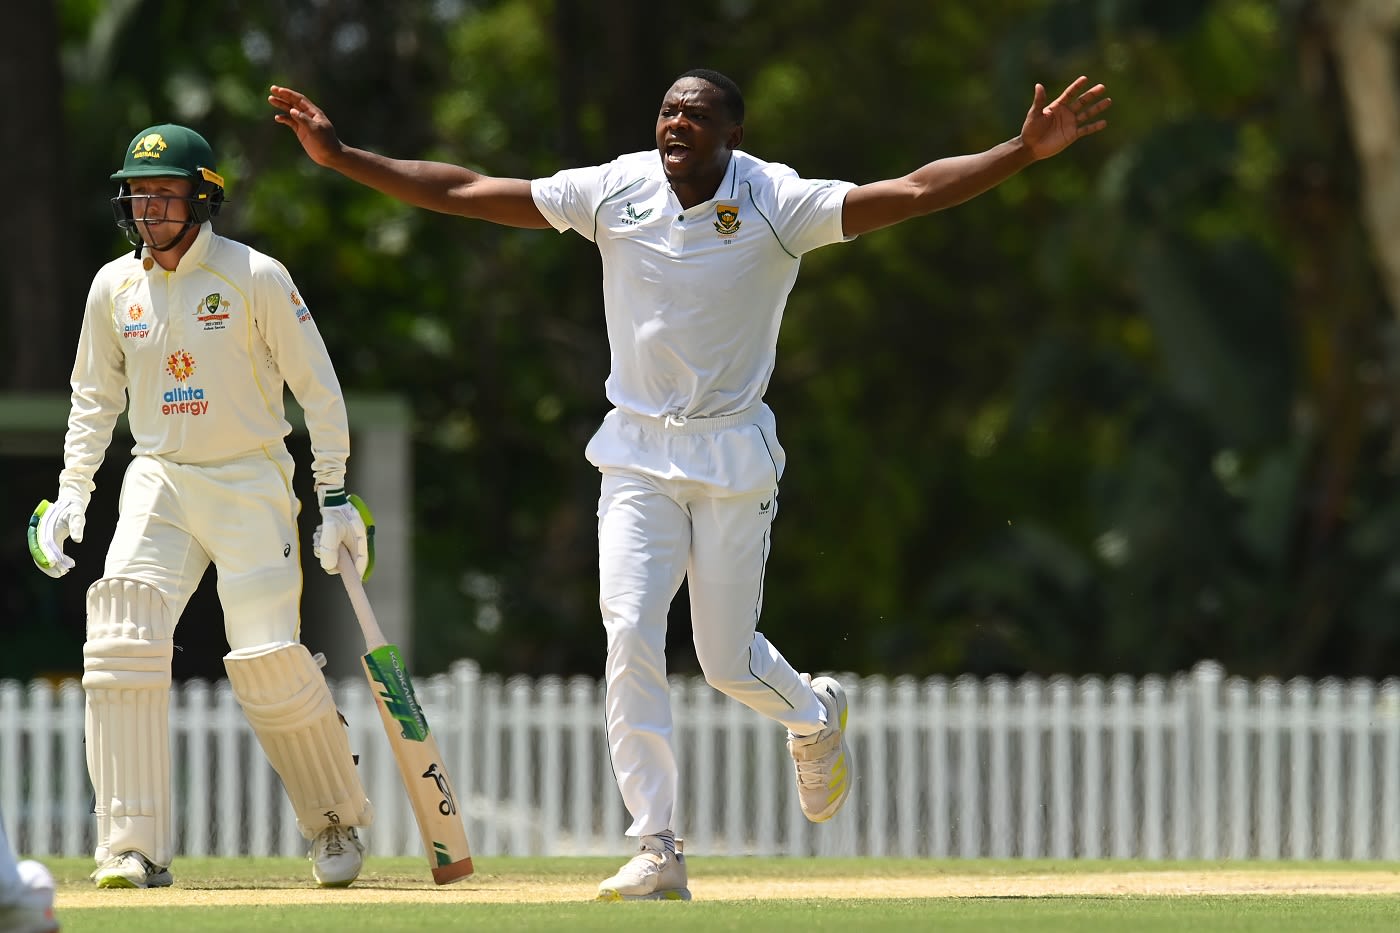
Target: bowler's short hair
(733,100)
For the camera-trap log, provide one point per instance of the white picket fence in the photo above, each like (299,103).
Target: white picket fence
(1195,766)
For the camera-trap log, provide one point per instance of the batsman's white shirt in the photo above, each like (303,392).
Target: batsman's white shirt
(202,354)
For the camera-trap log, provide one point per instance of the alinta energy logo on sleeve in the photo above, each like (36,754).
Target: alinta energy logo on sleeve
(183,399)
(303,312)
(134,326)
(212,312)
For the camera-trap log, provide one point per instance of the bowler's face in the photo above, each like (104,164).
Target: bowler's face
(694,130)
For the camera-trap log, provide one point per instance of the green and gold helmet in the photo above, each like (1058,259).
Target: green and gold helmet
(169,150)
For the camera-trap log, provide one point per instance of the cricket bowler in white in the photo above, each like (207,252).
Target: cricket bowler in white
(700,244)
(195,336)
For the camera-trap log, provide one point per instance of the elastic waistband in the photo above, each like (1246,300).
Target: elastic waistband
(682,424)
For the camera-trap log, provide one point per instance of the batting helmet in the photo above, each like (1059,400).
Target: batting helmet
(169,150)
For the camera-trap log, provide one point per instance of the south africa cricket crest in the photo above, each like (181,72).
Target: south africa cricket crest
(727,221)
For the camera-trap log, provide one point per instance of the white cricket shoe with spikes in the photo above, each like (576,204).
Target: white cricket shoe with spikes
(822,759)
(131,870)
(653,874)
(337,855)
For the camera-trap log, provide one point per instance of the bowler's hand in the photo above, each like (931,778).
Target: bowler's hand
(310,123)
(1050,128)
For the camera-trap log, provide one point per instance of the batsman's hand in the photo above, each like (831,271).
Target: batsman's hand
(313,128)
(51,524)
(344,520)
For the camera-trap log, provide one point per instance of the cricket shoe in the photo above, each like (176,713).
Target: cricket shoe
(336,856)
(822,759)
(131,870)
(653,874)
(33,911)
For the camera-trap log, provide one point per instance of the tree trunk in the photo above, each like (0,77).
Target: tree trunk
(1363,35)
(33,162)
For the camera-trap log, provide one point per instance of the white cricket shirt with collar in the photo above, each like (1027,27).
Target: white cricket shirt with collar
(199,357)
(693,297)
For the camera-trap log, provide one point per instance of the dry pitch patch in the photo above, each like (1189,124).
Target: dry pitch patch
(487,890)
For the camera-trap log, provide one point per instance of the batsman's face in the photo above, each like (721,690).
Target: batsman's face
(160,206)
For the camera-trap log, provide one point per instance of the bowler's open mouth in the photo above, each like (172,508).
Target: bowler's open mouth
(676,151)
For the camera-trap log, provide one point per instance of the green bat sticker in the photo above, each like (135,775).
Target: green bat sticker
(387,669)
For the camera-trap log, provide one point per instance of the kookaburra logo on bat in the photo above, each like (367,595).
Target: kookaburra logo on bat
(448,804)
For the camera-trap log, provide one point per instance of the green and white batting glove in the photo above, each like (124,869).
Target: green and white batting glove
(344,520)
(51,524)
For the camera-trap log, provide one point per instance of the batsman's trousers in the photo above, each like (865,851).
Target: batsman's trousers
(240,514)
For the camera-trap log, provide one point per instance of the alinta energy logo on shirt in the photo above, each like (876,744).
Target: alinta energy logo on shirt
(134,326)
(727,221)
(212,312)
(182,400)
(303,312)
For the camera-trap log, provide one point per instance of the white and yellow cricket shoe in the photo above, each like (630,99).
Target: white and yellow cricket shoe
(822,759)
(653,874)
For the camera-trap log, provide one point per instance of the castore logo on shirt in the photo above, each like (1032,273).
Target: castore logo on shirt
(631,217)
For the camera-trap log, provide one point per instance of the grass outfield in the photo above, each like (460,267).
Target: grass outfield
(754,894)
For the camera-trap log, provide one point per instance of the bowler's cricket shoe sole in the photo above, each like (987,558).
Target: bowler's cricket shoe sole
(823,760)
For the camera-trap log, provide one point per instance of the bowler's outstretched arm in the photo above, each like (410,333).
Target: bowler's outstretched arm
(437,186)
(1048,129)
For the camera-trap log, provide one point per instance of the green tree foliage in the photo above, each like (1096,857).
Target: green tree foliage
(1130,409)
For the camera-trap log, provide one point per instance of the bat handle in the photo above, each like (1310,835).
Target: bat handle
(364,612)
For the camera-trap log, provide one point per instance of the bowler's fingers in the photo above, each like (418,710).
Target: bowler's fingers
(1085,105)
(1086,101)
(1095,107)
(1070,92)
(294,104)
(282,97)
(1091,108)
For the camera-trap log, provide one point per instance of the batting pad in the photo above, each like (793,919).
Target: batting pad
(126,677)
(285,697)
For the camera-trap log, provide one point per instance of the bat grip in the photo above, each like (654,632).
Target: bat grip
(364,612)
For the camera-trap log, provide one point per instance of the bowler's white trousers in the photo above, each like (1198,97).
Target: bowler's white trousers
(241,514)
(686,499)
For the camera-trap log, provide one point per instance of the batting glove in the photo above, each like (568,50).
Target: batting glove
(344,520)
(51,524)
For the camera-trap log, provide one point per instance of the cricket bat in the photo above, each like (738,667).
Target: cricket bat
(416,751)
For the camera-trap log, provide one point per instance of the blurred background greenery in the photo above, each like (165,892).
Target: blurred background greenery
(1134,408)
